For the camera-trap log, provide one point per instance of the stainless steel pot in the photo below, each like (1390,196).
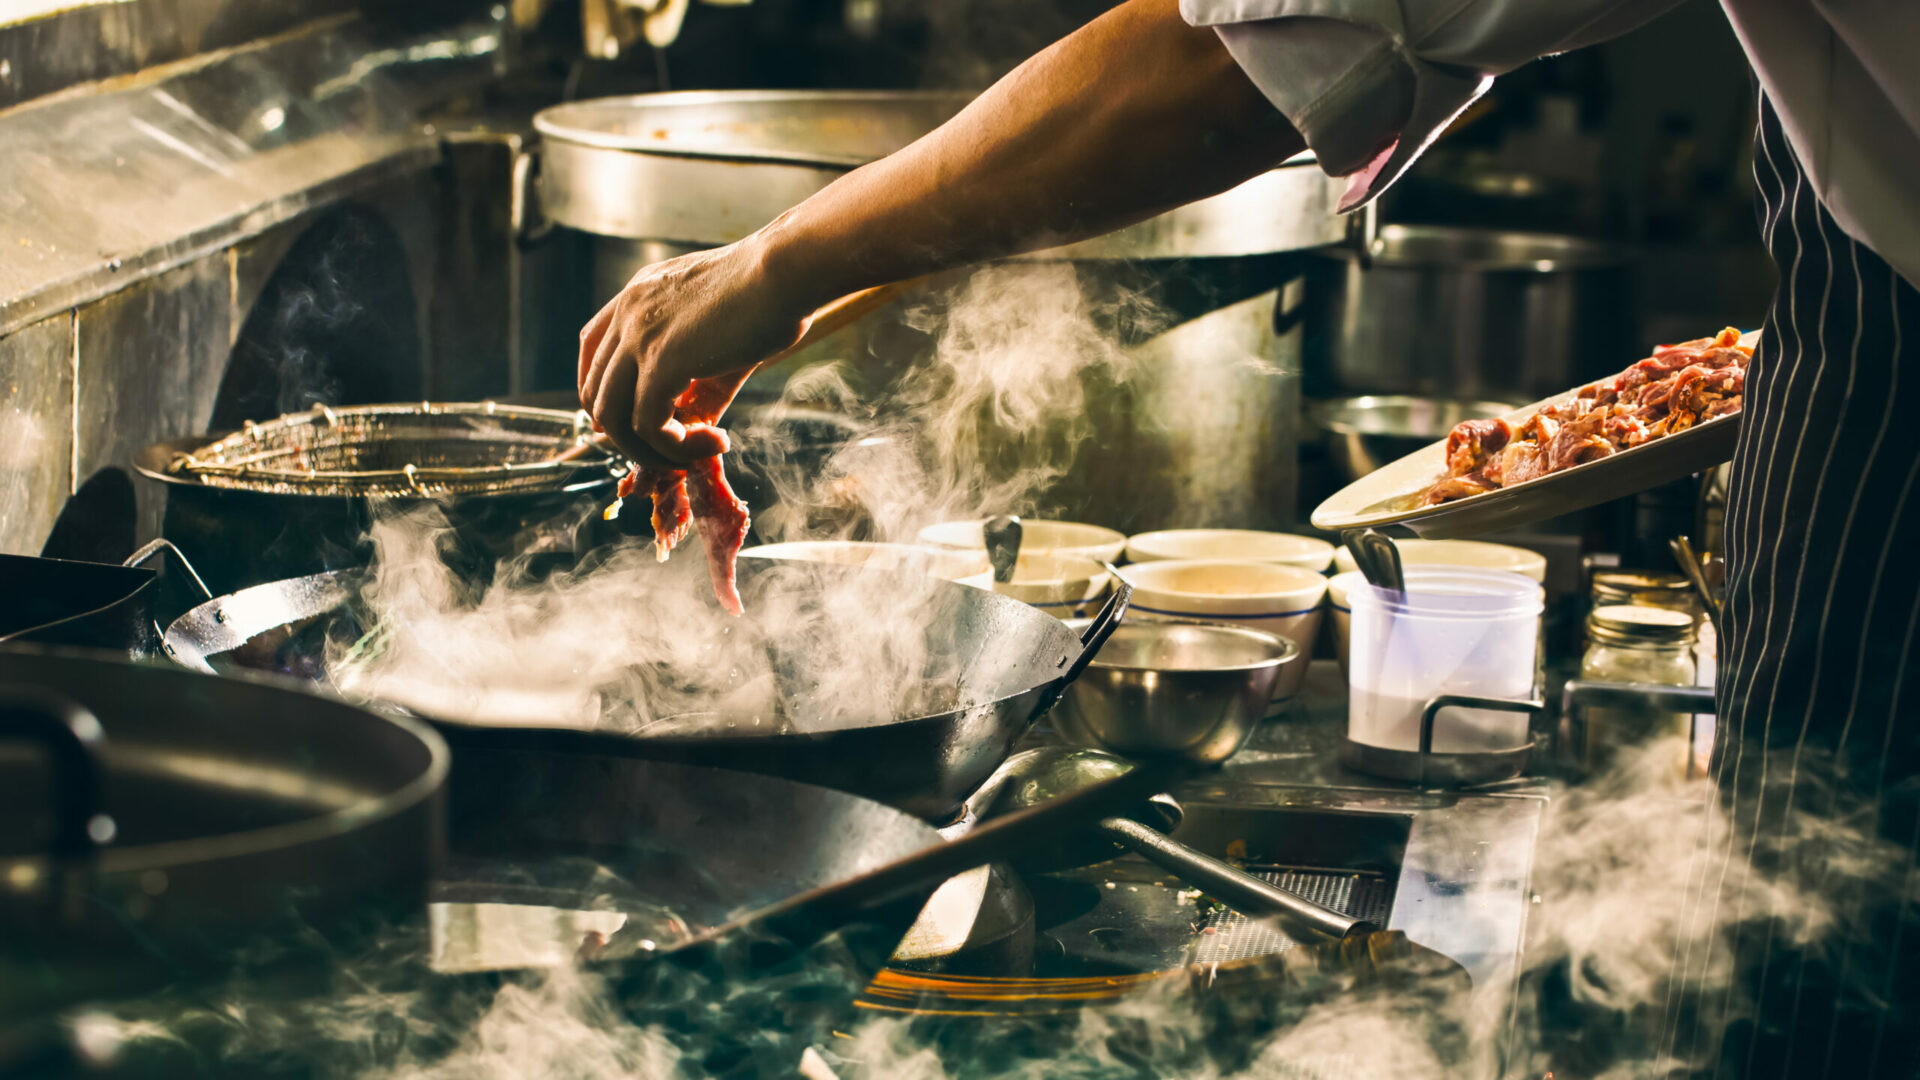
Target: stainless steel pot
(709,167)
(1466,314)
(1363,433)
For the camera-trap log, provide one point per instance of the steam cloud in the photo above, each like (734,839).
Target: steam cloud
(985,427)
(1626,865)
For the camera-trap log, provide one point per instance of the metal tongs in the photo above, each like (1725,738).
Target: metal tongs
(1694,567)
(1378,559)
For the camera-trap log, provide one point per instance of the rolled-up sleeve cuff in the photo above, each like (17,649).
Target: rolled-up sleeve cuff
(1340,72)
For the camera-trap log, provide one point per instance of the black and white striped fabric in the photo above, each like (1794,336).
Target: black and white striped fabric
(1819,686)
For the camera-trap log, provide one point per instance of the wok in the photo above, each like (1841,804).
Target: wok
(994,663)
(83,604)
(151,820)
(743,911)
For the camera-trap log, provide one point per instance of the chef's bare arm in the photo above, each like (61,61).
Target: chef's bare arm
(1132,115)
(1135,114)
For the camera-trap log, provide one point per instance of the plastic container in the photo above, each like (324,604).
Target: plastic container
(1453,632)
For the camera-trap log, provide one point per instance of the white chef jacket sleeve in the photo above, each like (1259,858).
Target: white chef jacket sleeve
(1371,83)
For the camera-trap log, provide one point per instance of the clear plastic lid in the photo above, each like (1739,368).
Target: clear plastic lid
(1450,593)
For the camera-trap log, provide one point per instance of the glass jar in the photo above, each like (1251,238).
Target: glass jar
(1673,592)
(1634,643)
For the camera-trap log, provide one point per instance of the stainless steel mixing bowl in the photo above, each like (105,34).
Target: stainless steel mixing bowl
(1182,689)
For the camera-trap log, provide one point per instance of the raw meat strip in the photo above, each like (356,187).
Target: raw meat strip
(722,520)
(698,496)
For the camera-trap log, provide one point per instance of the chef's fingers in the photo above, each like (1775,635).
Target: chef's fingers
(604,358)
(591,336)
(611,407)
(653,422)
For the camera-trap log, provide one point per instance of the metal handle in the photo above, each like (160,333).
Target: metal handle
(525,223)
(1363,230)
(1250,896)
(1095,635)
(1002,537)
(149,550)
(72,738)
(1578,695)
(1532,707)
(1377,558)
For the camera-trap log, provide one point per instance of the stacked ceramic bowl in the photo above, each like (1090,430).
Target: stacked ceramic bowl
(1062,568)
(1270,582)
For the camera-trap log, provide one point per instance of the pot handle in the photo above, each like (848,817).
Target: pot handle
(1467,701)
(1095,635)
(73,739)
(150,550)
(527,224)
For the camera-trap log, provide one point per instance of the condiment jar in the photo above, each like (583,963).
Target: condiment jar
(1636,643)
(1673,592)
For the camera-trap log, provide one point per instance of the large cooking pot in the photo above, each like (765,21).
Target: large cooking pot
(708,167)
(151,819)
(973,675)
(1466,314)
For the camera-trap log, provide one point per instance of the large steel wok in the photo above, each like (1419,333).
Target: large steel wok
(989,666)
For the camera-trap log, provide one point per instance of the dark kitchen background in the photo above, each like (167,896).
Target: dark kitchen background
(392,259)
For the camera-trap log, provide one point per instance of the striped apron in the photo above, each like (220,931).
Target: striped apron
(1819,686)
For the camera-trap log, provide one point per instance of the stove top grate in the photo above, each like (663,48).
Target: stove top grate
(1228,935)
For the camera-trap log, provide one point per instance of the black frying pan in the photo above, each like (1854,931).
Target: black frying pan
(1006,662)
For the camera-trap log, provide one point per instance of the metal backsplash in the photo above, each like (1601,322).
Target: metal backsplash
(142,218)
(47,46)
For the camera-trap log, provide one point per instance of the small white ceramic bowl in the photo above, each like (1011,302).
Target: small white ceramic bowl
(1064,586)
(1475,554)
(1237,545)
(1339,614)
(964,567)
(1283,600)
(1036,535)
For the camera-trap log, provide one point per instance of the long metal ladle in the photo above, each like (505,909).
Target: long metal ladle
(1037,776)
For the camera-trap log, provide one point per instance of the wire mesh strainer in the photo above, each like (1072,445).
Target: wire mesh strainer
(409,450)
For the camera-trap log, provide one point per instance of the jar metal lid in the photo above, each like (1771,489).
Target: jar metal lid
(1623,587)
(1639,624)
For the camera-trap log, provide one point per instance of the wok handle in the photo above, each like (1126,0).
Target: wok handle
(73,739)
(1092,639)
(163,546)
(1256,899)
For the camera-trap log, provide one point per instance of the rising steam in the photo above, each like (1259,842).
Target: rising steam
(987,426)
(1626,970)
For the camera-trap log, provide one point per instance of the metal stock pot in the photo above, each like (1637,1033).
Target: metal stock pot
(1466,314)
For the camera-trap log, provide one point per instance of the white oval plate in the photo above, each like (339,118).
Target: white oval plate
(1389,496)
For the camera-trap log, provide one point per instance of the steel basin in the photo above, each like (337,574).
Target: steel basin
(1188,690)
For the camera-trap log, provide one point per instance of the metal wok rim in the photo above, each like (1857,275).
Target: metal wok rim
(308,830)
(335,586)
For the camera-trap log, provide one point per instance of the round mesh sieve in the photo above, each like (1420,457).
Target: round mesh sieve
(406,450)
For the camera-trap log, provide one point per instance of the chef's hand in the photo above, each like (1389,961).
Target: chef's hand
(706,314)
